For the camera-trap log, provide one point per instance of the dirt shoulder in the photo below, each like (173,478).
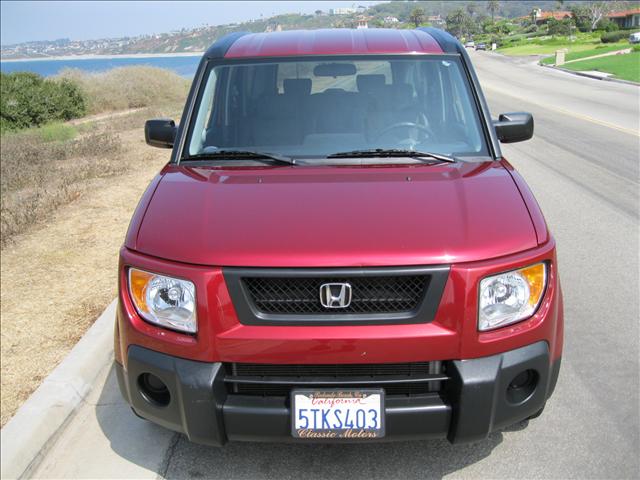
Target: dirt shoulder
(59,276)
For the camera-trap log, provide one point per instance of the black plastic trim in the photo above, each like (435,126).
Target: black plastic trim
(473,405)
(478,391)
(299,381)
(197,394)
(249,315)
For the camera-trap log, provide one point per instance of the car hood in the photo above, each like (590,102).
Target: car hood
(335,216)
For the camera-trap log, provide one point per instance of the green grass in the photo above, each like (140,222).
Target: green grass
(58,132)
(575,55)
(545,48)
(626,67)
(546,45)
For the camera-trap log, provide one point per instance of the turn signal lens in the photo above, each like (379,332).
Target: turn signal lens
(166,301)
(510,297)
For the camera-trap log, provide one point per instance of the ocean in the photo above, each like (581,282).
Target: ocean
(184,66)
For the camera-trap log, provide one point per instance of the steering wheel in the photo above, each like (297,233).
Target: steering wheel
(423,131)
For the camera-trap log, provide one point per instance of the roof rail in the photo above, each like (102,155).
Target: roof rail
(448,43)
(222,45)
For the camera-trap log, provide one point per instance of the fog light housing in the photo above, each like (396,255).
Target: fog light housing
(522,386)
(154,390)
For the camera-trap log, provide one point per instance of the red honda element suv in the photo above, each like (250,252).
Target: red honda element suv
(337,250)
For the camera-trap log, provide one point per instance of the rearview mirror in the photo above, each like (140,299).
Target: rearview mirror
(334,69)
(160,132)
(514,127)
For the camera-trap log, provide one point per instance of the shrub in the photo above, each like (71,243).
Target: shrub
(129,87)
(613,37)
(560,27)
(57,132)
(27,100)
(607,25)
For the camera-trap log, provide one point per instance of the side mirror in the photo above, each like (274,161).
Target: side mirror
(160,132)
(514,127)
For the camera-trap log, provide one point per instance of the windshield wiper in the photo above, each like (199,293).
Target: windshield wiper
(241,154)
(392,152)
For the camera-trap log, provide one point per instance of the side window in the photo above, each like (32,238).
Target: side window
(462,104)
(203,117)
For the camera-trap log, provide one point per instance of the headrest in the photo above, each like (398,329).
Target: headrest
(369,83)
(297,86)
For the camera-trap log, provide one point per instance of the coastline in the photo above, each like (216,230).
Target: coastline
(102,57)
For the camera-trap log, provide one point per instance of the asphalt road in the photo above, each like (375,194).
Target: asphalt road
(583,167)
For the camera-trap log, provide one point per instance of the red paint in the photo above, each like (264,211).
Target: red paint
(452,335)
(333,42)
(336,216)
(479,218)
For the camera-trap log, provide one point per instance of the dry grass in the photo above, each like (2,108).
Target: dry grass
(37,176)
(129,87)
(68,192)
(59,276)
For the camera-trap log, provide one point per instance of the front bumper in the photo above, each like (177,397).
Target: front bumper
(473,404)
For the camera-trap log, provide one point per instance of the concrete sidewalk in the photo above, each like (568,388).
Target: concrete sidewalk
(106,440)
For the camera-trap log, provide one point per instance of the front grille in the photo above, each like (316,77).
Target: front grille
(301,295)
(279,380)
(379,295)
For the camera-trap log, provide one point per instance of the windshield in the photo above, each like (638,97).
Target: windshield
(316,108)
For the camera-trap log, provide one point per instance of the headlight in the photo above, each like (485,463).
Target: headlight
(165,301)
(511,296)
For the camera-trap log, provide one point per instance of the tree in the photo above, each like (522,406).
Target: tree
(471,9)
(493,6)
(598,10)
(459,23)
(582,18)
(417,16)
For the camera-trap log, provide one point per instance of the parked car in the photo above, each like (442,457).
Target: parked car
(481,46)
(337,249)
(470,44)
(634,37)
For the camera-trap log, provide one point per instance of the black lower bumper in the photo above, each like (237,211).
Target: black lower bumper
(476,401)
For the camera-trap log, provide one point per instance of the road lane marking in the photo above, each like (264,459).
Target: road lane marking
(579,116)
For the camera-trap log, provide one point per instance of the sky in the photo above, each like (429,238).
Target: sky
(23,21)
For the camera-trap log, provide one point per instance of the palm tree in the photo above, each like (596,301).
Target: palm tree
(493,6)
(417,16)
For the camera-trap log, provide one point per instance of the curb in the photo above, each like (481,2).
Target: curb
(26,437)
(595,77)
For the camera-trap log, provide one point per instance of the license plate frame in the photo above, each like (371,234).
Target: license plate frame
(341,397)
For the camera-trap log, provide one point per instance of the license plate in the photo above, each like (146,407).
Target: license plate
(333,414)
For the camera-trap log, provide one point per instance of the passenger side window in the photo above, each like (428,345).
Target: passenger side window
(203,119)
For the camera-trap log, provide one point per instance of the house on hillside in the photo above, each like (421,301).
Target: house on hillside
(362,21)
(540,17)
(435,20)
(626,18)
(391,20)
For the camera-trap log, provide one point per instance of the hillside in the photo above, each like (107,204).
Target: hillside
(395,14)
